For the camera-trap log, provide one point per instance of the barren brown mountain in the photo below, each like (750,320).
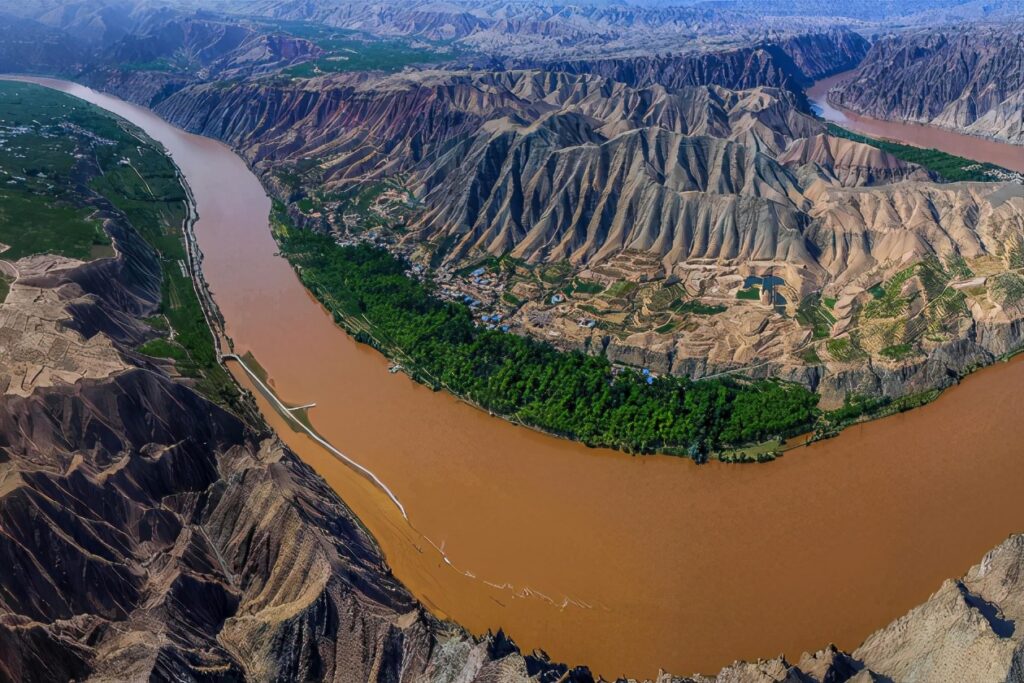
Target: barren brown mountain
(967,78)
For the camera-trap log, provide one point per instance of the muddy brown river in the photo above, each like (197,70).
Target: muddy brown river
(967,146)
(626,564)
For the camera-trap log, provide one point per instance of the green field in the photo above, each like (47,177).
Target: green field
(346,50)
(698,308)
(843,350)
(62,159)
(751,294)
(817,315)
(40,208)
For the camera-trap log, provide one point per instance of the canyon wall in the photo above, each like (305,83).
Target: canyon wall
(792,63)
(969,79)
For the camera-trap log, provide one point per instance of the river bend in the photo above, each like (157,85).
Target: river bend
(623,563)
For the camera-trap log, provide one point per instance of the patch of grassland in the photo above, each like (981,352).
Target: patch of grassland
(152,65)
(620,289)
(1008,288)
(257,369)
(843,349)
(750,294)
(587,286)
(810,356)
(512,299)
(667,327)
(665,298)
(554,273)
(41,211)
(37,225)
(898,351)
(859,408)
(762,452)
(302,415)
(888,303)
(697,308)
(887,328)
(813,314)
(347,50)
(165,348)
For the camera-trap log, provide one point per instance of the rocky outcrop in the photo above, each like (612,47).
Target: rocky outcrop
(969,630)
(848,163)
(857,229)
(969,79)
(735,69)
(147,533)
(819,55)
(146,88)
(518,191)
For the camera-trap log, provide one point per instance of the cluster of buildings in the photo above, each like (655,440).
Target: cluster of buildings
(999,174)
(370,237)
(480,290)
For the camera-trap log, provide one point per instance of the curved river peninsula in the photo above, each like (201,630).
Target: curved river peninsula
(624,563)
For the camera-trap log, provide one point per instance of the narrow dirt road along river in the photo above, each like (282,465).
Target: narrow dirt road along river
(625,564)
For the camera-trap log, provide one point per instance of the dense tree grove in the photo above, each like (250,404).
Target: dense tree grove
(570,394)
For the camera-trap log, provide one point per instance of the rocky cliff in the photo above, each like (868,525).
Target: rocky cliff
(849,163)
(30,47)
(969,79)
(818,55)
(518,191)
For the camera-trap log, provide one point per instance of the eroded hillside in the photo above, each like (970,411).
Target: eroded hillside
(694,230)
(969,79)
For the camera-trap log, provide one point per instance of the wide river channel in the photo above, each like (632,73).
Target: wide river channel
(626,564)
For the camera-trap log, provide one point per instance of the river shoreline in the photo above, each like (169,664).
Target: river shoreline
(691,567)
(975,147)
(835,78)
